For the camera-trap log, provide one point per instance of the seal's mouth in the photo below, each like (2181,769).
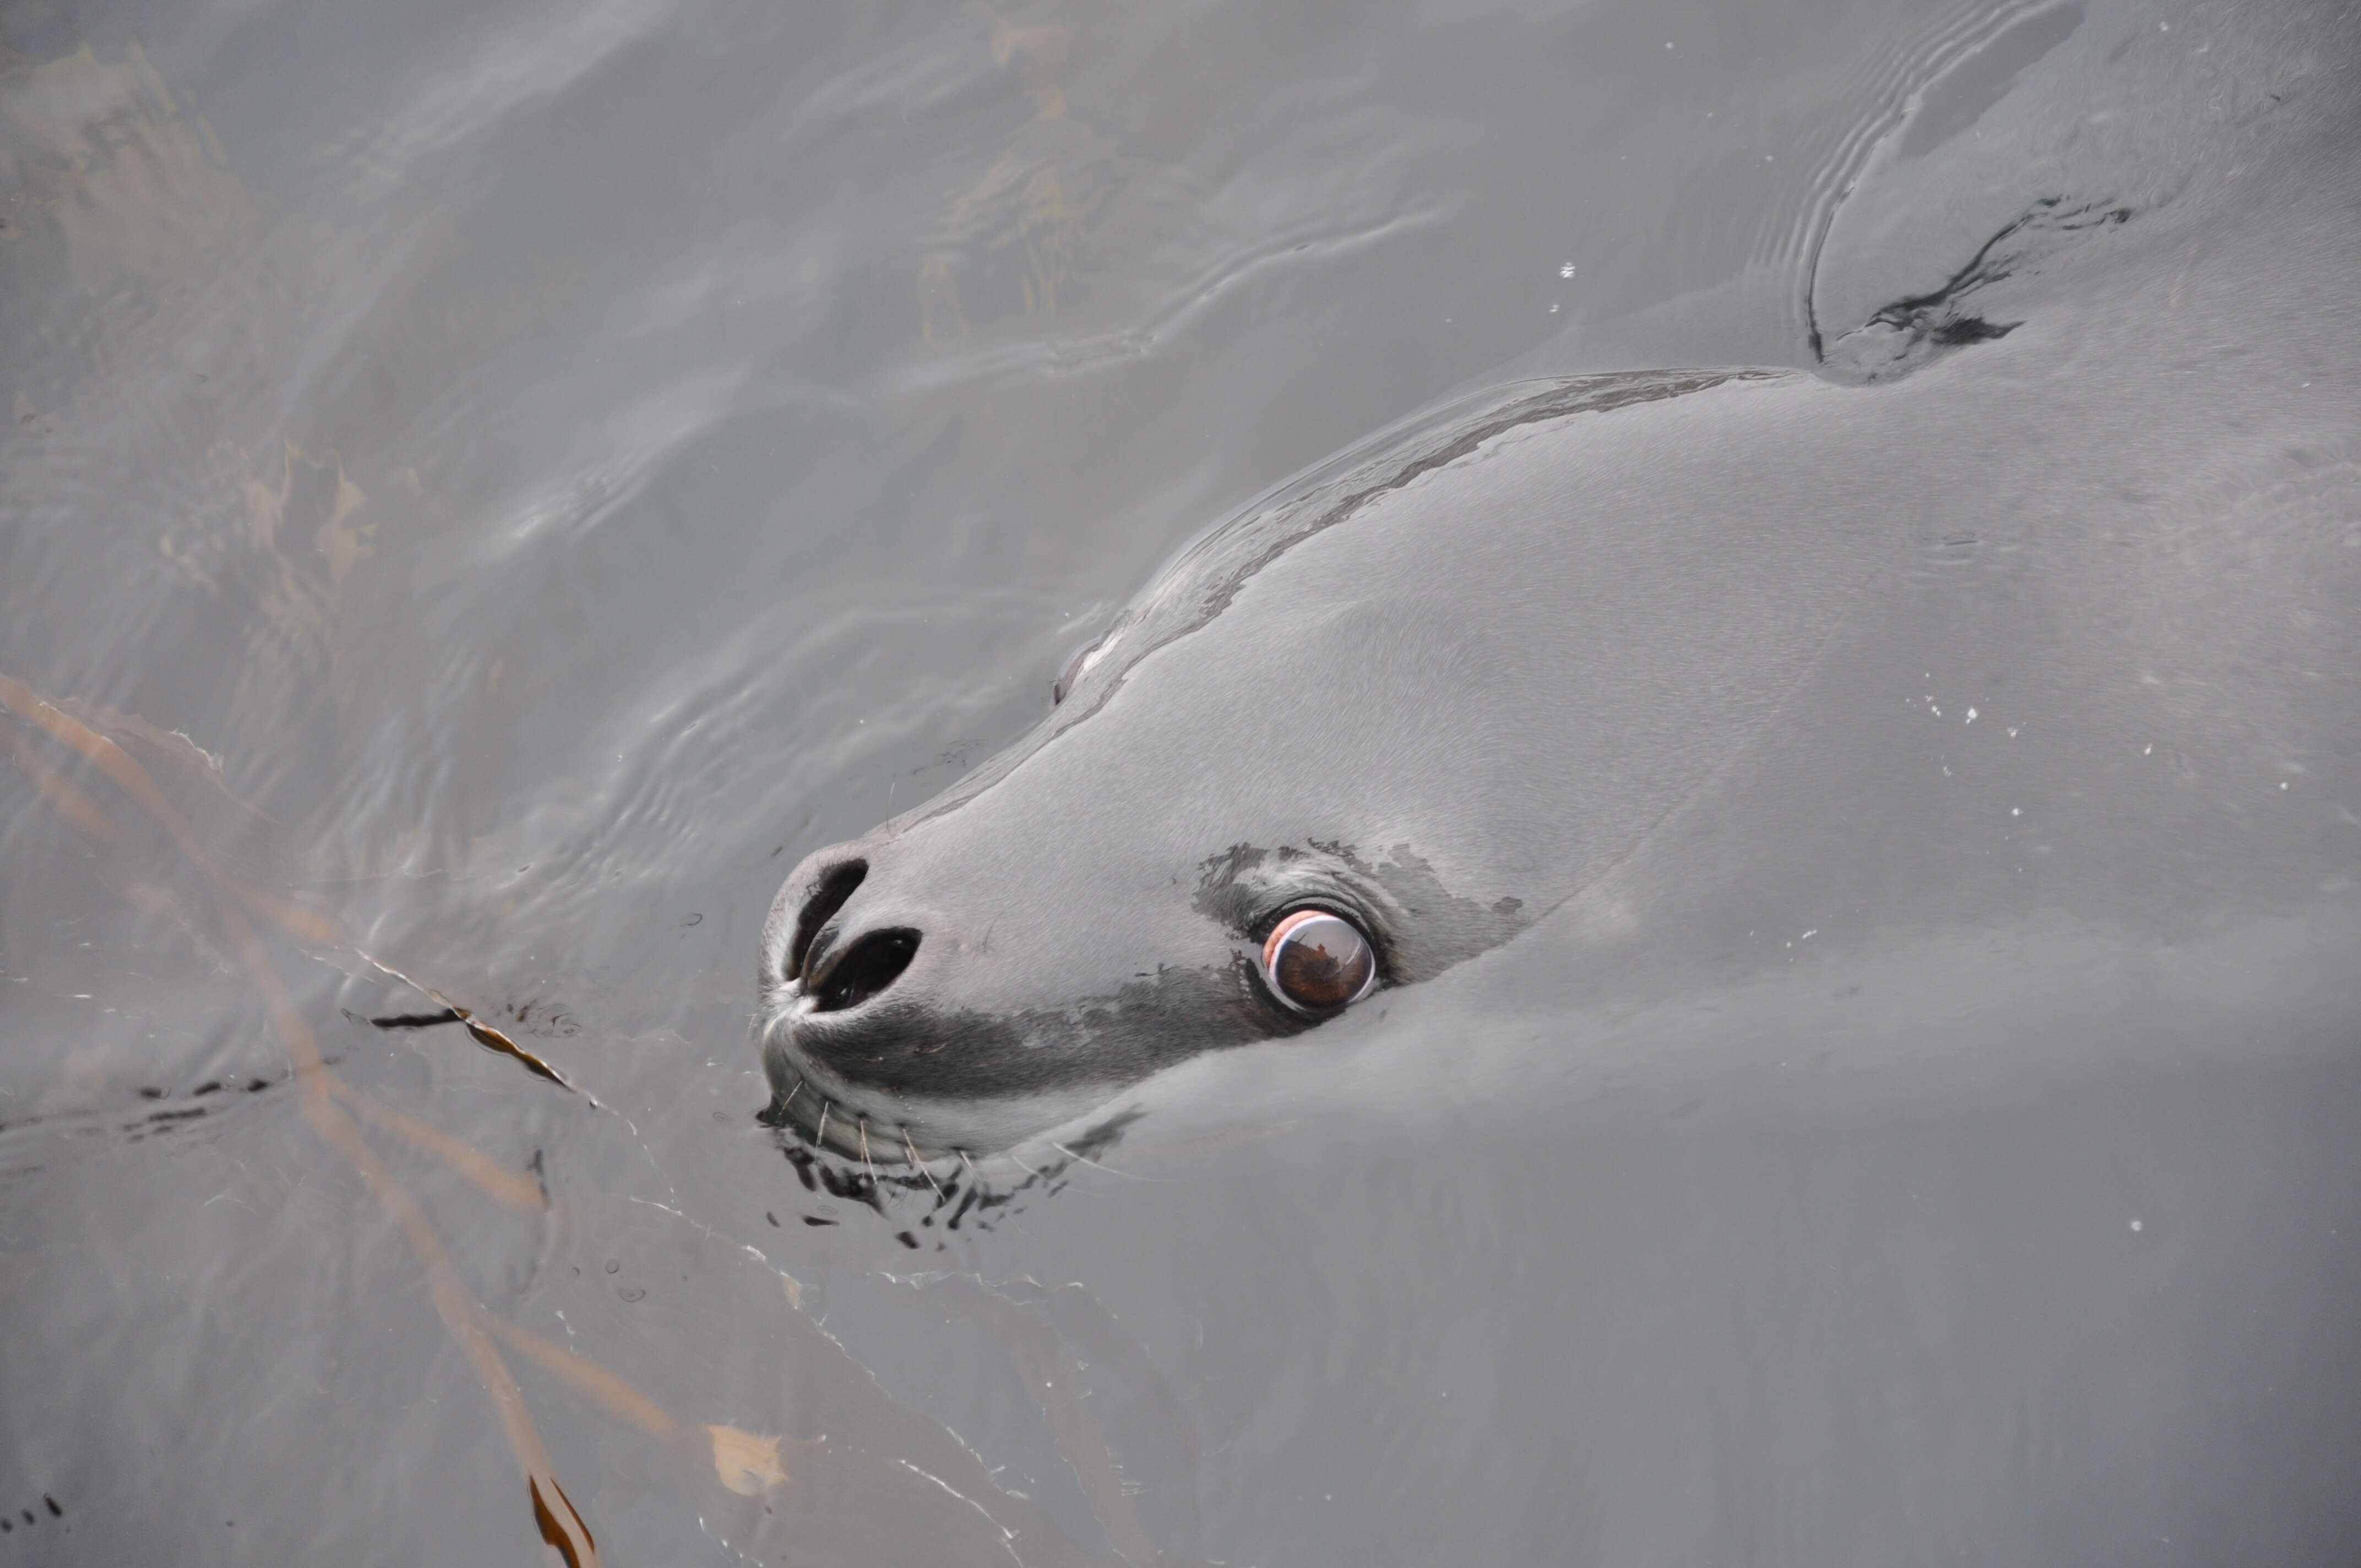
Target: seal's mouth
(921,1110)
(828,1109)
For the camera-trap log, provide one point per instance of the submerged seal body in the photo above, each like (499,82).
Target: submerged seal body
(1658,673)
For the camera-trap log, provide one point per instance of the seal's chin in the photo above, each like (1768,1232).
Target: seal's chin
(898,1125)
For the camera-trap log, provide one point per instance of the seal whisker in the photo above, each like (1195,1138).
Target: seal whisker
(1095,1165)
(826,1105)
(866,1160)
(1025,1168)
(919,1163)
(790,1099)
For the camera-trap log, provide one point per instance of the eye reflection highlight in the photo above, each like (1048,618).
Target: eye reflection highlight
(1317,963)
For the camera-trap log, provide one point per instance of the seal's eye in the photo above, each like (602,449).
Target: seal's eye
(1317,963)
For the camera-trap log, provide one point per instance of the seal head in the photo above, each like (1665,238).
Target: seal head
(1481,663)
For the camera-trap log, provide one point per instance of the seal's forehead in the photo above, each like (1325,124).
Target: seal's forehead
(1529,692)
(1206,577)
(1201,584)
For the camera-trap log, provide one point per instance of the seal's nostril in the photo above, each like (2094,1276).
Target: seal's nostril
(834,888)
(874,961)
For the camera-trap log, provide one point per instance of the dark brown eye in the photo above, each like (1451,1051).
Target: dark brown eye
(1317,963)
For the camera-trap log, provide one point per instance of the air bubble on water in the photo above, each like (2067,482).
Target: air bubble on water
(2016,811)
(2147,750)
(2012,731)
(1567,270)
(1972,716)
(2136,1225)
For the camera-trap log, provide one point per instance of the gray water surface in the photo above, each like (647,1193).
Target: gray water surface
(486,488)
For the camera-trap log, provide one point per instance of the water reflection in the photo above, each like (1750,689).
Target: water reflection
(486,488)
(877,1458)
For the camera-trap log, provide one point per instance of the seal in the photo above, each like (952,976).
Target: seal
(1655,674)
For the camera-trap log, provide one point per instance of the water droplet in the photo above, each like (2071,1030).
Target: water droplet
(1972,716)
(1567,270)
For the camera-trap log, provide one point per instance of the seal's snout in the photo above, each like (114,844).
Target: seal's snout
(833,969)
(838,976)
(906,1018)
(826,887)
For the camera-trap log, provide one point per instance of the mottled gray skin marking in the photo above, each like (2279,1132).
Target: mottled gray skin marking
(1419,925)
(1903,335)
(2028,629)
